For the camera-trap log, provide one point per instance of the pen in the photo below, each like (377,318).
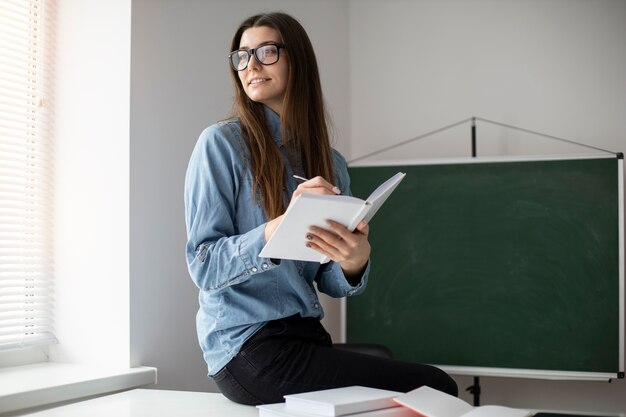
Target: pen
(336,190)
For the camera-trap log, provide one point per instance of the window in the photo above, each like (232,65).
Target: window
(26,178)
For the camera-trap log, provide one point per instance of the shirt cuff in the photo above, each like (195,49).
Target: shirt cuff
(360,287)
(251,244)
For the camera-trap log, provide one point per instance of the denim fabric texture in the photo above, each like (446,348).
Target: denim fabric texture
(238,290)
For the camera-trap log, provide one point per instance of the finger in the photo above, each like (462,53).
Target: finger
(328,253)
(324,247)
(328,237)
(363,227)
(362,230)
(340,230)
(332,243)
(313,187)
(318,185)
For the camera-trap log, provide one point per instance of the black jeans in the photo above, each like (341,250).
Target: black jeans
(295,354)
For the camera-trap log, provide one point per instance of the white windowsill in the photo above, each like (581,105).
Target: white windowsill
(28,386)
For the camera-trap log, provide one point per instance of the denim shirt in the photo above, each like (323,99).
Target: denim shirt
(240,291)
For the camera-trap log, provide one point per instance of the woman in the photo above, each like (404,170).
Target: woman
(259,318)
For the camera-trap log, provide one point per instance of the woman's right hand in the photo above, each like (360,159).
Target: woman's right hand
(316,185)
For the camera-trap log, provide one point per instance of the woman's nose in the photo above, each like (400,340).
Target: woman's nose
(253,63)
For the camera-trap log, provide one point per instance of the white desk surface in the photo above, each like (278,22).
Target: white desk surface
(158,403)
(152,403)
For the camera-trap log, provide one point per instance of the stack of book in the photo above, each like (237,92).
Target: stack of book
(359,401)
(352,401)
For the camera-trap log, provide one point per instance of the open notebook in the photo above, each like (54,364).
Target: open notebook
(288,240)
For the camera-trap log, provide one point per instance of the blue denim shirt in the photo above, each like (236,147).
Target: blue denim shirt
(240,291)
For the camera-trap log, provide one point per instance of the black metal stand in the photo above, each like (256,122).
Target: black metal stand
(473,137)
(475,391)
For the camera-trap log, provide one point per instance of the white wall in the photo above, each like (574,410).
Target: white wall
(557,67)
(180,85)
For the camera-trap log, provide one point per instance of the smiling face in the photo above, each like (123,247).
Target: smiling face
(264,83)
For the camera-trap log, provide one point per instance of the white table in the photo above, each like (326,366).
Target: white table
(152,403)
(161,403)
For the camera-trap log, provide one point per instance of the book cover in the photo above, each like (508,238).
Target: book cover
(341,401)
(288,240)
(428,402)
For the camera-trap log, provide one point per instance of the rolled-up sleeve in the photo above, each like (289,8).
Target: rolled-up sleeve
(218,255)
(331,281)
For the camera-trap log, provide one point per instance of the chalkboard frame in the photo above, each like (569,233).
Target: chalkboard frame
(518,372)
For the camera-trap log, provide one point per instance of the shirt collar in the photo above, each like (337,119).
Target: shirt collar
(273,123)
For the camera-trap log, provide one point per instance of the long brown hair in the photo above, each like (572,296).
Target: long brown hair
(303,123)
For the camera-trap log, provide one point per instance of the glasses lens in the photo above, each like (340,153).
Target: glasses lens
(267,54)
(239,59)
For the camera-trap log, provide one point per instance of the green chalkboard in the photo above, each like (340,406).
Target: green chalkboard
(511,265)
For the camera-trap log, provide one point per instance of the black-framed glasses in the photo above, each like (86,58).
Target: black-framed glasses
(267,54)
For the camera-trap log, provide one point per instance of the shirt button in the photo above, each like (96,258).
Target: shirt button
(265,266)
(316,305)
(254,269)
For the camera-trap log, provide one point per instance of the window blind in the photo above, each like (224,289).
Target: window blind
(26,282)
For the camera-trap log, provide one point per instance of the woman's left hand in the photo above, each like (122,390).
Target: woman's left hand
(350,249)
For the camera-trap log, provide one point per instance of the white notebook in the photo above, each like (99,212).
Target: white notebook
(288,240)
(341,401)
(429,402)
(281,410)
